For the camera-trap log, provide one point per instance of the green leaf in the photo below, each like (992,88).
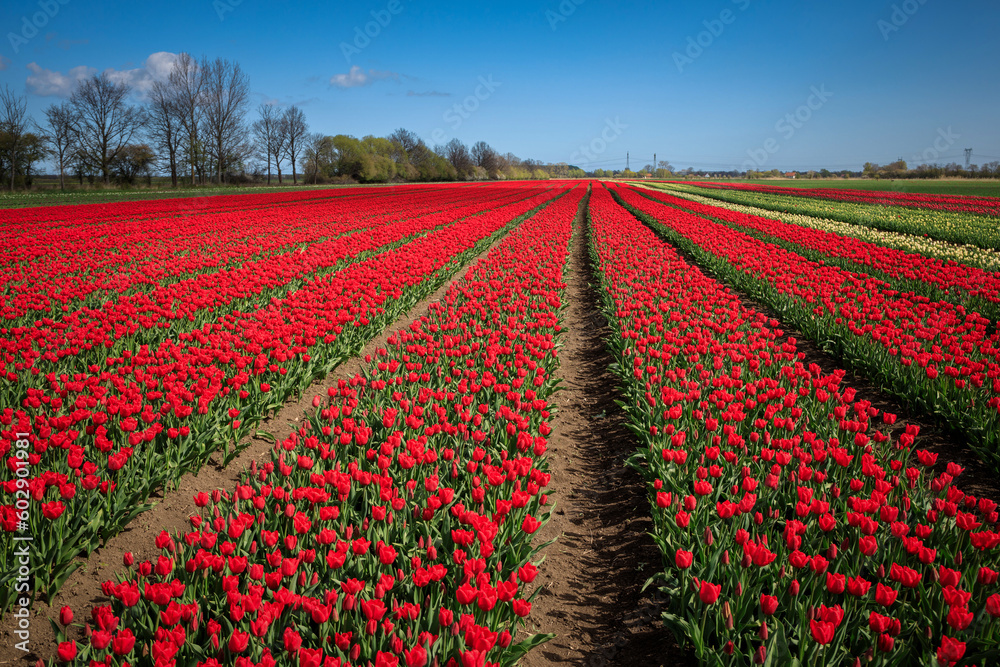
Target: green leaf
(777,650)
(518,651)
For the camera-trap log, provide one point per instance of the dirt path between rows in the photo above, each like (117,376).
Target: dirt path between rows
(82,591)
(592,576)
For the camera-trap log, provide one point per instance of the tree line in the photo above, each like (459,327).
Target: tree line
(899,169)
(196,127)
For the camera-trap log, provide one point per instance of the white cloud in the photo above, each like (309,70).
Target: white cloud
(156,68)
(358,77)
(45,82)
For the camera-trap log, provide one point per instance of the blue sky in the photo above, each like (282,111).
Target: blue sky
(718,85)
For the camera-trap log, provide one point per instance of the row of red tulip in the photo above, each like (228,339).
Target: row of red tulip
(394,529)
(932,354)
(972,287)
(87,336)
(956,203)
(17,224)
(61,270)
(105,439)
(796,521)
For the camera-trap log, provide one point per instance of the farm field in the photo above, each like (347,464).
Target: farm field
(481,424)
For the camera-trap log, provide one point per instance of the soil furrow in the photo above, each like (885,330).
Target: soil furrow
(591,580)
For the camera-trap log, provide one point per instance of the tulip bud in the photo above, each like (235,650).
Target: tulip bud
(725,557)
(762,633)
(707,537)
(759,655)
(831,553)
(728,648)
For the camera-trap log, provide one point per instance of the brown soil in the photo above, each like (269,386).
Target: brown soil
(592,577)
(82,590)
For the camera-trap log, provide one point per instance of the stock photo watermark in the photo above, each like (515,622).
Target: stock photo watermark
(460,112)
(901,13)
(363,36)
(944,140)
(21,558)
(562,12)
(697,44)
(787,126)
(588,153)
(32,23)
(223,7)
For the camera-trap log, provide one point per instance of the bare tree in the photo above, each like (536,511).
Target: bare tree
(14,126)
(187,84)
(227,93)
(316,145)
(458,155)
(296,128)
(270,133)
(61,136)
(107,122)
(165,124)
(485,157)
(406,139)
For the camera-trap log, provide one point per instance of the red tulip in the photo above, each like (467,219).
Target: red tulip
(66,651)
(238,641)
(950,651)
(822,631)
(885,595)
(709,593)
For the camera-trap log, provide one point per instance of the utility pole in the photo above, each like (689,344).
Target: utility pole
(968,158)
(626,161)
(654,164)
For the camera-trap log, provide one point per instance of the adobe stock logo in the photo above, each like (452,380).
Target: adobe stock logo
(30,25)
(460,112)
(944,140)
(588,153)
(787,126)
(363,38)
(901,13)
(697,44)
(566,9)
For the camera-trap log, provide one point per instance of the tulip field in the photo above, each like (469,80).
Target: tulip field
(397,524)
